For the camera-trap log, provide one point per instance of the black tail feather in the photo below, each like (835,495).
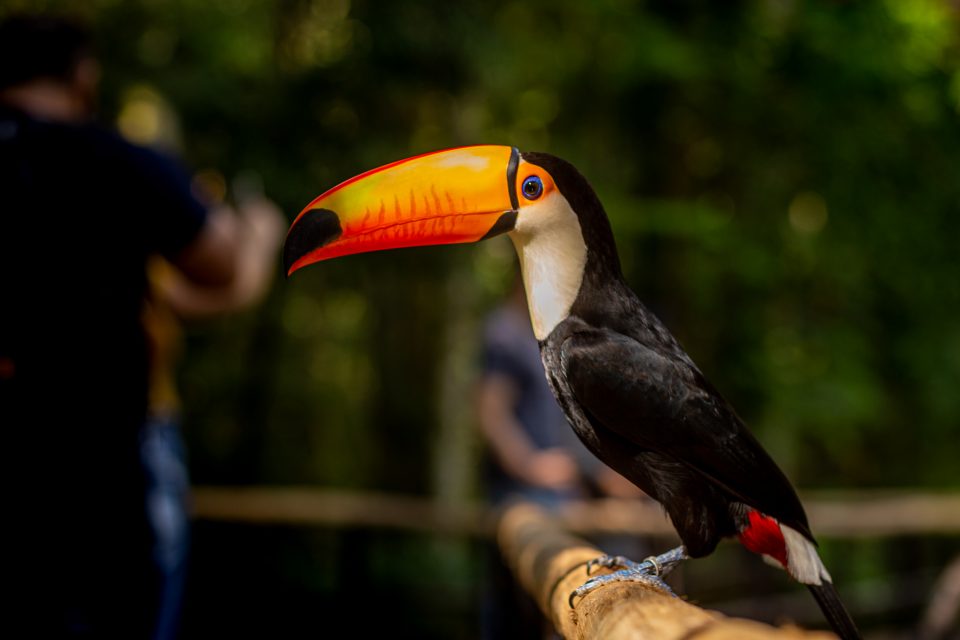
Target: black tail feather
(833,609)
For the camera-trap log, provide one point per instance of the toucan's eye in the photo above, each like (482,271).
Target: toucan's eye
(532,188)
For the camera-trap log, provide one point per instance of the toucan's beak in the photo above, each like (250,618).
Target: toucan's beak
(457,195)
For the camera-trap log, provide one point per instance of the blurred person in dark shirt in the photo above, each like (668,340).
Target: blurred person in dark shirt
(81,212)
(532,452)
(172,301)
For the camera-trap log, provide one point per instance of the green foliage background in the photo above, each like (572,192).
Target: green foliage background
(781,176)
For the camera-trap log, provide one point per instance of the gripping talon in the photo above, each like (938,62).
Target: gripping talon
(610,562)
(625,575)
(573,594)
(648,572)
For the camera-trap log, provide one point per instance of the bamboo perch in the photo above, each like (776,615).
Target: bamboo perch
(550,563)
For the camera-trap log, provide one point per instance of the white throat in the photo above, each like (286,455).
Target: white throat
(553,256)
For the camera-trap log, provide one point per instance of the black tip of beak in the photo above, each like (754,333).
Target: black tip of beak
(314,229)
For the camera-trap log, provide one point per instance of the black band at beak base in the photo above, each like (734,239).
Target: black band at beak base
(506,222)
(512,168)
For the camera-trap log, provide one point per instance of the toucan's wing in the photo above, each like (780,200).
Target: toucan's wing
(666,405)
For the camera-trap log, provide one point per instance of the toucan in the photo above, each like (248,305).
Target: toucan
(629,390)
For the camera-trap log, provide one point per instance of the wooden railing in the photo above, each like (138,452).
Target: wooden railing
(550,575)
(832,515)
(550,563)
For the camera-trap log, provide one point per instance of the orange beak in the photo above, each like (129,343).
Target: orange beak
(458,195)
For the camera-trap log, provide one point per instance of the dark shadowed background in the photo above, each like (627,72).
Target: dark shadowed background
(782,179)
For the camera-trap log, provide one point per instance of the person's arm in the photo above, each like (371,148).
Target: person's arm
(549,468)
(210,259)
(245,243)
(613,485)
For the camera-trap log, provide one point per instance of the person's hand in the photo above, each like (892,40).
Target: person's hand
(614,485)
(263,221)
(254,231)
(551,469)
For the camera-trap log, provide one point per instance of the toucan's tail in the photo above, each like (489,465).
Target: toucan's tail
(795,552)
(834,611)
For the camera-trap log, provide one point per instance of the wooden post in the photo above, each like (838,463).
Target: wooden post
(550,564)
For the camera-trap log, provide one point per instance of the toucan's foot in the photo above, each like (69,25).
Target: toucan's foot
(648,572)
(613,562)
(624,575)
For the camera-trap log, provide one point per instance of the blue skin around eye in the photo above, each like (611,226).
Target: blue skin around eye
(532,188)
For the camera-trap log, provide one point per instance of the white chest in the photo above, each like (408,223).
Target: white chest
(553,256)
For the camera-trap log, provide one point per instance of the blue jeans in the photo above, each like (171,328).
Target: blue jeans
(163,456)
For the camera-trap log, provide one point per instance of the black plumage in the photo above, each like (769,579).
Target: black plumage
(639,402)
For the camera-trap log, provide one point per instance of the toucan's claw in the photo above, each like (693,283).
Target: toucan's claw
(612,562)
(648,572)
(625,575)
